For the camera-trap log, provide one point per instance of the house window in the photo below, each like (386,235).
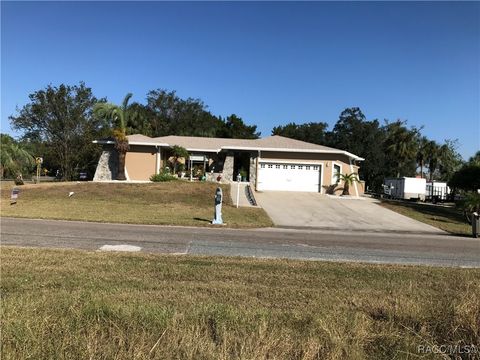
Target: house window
(315,167)
(285,166)
(262,166)
(300,167)
(292,166)
(337,170)
(270,166)
(277,166)
(307,167)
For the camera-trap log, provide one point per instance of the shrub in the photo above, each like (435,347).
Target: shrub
(180,167)
(469,204)
(165,176)
(197,171)
(330,189)
(19,180)
(467,178)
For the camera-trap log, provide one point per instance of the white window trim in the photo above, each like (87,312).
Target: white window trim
(333,173)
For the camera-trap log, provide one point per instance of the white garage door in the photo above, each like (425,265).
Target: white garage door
(289,177)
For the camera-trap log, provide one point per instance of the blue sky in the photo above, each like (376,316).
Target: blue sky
(270,63)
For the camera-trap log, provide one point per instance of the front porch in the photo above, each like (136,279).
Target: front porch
(223,167)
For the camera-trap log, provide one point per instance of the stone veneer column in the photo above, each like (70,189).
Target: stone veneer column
(227,174)
(253,169)
(107,167)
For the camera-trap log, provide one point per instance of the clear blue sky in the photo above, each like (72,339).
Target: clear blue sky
(270,63)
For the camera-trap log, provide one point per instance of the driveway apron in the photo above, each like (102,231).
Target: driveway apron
(313,210)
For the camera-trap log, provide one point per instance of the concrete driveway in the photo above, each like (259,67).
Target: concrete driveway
(299,209)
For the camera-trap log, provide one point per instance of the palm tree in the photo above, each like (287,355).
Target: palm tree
(348,179)
(13,158)
(119,116)
(401,143)
(475,159)
(177,153)
(422,153)
(433,152)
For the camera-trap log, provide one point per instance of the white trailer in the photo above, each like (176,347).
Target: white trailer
(437,191)
(405,188)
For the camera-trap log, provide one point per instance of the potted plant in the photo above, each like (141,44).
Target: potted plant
(181,170)
(243,174)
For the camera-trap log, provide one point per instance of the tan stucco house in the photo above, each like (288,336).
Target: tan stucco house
(273,163)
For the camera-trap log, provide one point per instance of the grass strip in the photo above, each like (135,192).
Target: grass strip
(67,304)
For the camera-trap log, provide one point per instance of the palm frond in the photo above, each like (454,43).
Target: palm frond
(125,101)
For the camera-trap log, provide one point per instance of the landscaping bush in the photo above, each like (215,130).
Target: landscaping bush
(165,176)
(19,180)
(469,204)
(197,171)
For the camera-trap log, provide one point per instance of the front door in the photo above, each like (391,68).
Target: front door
(241,165)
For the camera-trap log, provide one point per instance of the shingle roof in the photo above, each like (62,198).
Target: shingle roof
(277,141)
(202,143)
(138,139)
(207,144)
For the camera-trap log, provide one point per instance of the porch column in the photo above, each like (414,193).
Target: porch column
(351,172)
(158,159)
(257,166)
(228,167)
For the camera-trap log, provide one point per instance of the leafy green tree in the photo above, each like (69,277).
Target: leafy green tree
(140,120)
(119,116)
(442,160)
(172,115)
(449,159)
(475,159)
(235,128)
(59,120)
(467,178)
(14,159)
(163,106)
(354,133)
(313,132)
(347,128)
(167,114)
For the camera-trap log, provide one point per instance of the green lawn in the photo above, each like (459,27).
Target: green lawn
(171,203)
(66,304)
(446,218)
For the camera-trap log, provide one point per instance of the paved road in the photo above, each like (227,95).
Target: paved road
(273,242)
(295,209)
